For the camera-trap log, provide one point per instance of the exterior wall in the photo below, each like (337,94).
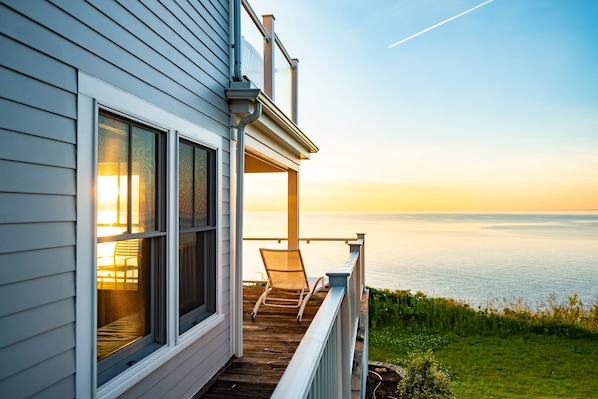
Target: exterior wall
(173,54)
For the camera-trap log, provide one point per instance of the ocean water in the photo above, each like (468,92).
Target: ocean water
(478,258)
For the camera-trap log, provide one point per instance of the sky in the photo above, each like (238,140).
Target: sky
(496,110)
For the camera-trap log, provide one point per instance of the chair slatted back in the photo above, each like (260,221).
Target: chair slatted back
(285,269)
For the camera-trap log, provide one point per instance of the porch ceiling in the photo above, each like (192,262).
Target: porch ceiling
(257,163)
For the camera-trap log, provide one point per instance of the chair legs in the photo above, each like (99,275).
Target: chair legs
(319,285)
(314,289)
(302,308)
(258,303)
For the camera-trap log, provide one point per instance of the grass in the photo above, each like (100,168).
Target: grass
(537,366)
(490,353)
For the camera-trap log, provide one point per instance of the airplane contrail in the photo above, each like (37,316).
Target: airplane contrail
(438,24)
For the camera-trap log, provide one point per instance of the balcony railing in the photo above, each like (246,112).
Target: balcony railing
(323,364)
(266,62)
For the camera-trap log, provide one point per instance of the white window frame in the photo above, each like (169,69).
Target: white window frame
(93,95)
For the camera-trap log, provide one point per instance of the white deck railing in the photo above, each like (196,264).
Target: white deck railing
(323,363)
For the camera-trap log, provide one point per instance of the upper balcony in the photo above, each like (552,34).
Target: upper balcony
(266,62)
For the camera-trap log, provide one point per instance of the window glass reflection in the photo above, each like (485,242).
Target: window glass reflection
(123,296)
(113,166)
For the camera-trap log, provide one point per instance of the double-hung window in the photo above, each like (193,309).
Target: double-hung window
(197,233)
(148,197)
(131,231)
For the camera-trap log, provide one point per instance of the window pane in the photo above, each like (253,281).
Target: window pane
(143,181)
(190,274)
(197,277)
(185,185)
(113,143)
(124,300)
(201,187)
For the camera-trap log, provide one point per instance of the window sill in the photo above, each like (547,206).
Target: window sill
(121,383)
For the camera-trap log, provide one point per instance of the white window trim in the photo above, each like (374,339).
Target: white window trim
(95,94)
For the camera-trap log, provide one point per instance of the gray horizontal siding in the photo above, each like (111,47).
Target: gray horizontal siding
(35,350)
(33,236)
(36,179)
(18,147)
(25,90)
(64,388)
(175,46)
(30,208)
(27,61)
(47,373)
(21,266)
(23,325)
(33,121)
(34,293)
(161,68)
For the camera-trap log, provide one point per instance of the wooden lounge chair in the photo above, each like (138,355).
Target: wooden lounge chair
(288,285)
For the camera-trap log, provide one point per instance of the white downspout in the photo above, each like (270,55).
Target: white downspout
(238,271)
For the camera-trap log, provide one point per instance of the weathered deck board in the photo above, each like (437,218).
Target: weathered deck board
(269,343)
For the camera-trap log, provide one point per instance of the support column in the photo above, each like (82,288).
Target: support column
(293,208)
(269,54)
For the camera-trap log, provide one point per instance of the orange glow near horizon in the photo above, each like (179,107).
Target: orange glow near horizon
(270,195)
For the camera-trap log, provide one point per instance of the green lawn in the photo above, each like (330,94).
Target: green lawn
(535,366)
(532,367)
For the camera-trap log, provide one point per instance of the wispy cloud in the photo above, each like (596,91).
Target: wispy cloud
(439,24)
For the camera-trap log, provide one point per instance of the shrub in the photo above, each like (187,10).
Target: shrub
(424,380)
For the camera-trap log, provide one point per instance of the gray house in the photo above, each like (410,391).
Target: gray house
(125,130)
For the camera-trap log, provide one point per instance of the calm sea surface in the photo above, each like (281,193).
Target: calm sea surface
(479,258)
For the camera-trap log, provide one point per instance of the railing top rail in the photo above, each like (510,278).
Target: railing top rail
(284,51)
(304,361)
(256,20)
(258,24)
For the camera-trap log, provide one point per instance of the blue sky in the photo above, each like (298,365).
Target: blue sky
(495,110)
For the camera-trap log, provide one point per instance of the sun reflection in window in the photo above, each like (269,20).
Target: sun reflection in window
(112,204)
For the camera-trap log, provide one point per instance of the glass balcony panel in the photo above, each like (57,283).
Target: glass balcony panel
(283,82)
(252,51)
(253,61)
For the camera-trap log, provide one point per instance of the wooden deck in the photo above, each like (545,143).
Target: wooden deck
(269,343)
